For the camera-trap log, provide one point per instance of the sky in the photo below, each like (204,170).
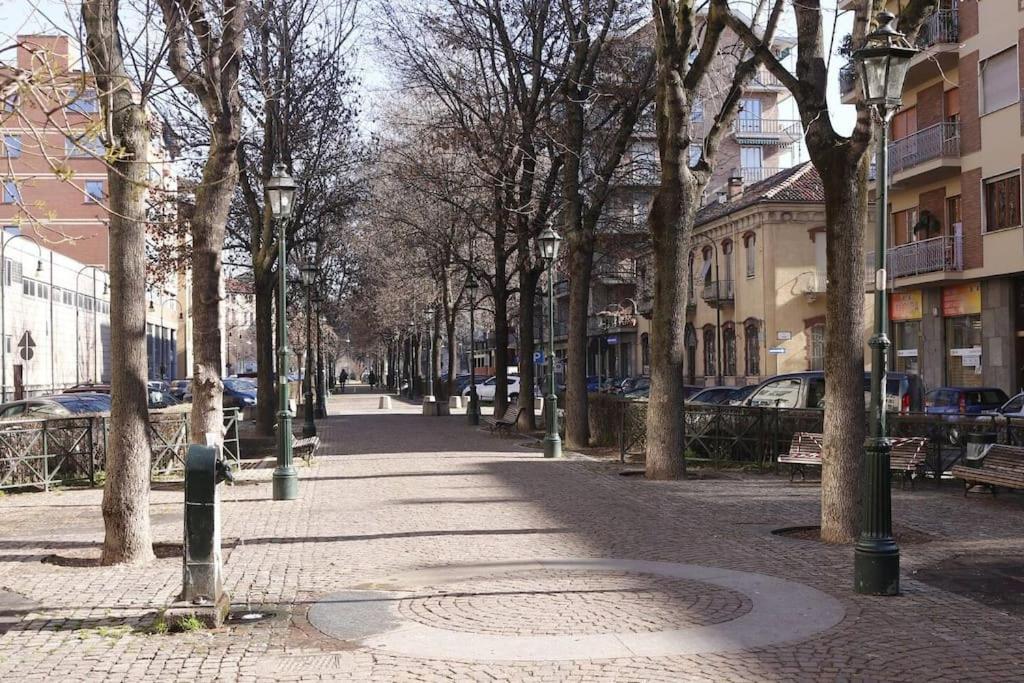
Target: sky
(41,16)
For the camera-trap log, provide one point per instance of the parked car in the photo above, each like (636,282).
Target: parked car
(157,398)
(239,393)
(903,392)
(1012,408)
(158,385)
(713,395)
(486,390)
(964,400)
(181,389)
(740,394)
(58,405)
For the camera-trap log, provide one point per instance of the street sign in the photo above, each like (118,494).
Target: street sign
(26,344)
(777,350)
(611,341)
(538,358)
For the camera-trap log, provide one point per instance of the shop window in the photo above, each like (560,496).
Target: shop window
(752,355)
(906,334)
(709,350)
(816,352)
(999,81)
(1002,202)
(729,349)
(963,351)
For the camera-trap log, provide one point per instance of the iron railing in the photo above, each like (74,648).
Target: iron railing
(753,174)
(939,141)
(780,131)
(944,253)
(42,453)
(716,291)
(813,283)
(763,78)
(942,27)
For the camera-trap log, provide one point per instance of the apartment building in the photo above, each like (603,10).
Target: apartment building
(239,326)
(956,251)
(54,189)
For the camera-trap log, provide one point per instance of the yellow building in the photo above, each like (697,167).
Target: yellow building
(956,251)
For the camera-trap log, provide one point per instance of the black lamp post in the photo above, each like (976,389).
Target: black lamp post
(548,242)
(321,390)
(280,193)
(473,409)
(429,317)
(410,366)
(308,278)
(883,64)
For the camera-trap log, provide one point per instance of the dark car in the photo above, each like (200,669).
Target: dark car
(903,392)
(964,400)
(157,398)
(56,406)
(740,394)
(239,393)
(181,389)
(713,395)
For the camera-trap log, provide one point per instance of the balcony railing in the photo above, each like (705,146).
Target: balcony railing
(764,78)
(813,283)
(615,270)
(602,324)
(717,291)
(768,130)
(942,27)
(753,174)
(945,253)
(934,142)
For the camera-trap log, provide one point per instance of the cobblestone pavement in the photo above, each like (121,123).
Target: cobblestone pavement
(394,492)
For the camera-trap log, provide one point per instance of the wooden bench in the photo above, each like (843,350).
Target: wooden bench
(306,448)
(907,455)
(506,422)
(1002,466)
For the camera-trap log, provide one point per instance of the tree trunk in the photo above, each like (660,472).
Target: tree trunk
(500,339)
(577,421)
(527,318)
(266,389)
(665,435)
(213,199)
(843,446)
(127,537)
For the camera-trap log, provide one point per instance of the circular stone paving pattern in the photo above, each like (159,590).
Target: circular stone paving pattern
(567,602)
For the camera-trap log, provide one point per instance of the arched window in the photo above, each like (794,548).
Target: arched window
(709,350)
(729,349)
(727,260)
(750,244)
(751,333)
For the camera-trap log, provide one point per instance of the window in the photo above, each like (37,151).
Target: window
(727,260)
(904,123)
(751,157)
(816,355)
(749,243)
(999,81)
(709,350)
(12,146)
(12,273)
(94,193)
(694,151)
(84,146)
(28,287)
(705,270)
(10,102)
(84,103)
(729,349)
(953,212)
(903,223)
(749,120)
(12,230)
(11,192)
(1002,202)
(752,357)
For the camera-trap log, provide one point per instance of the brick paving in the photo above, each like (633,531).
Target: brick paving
(396,492)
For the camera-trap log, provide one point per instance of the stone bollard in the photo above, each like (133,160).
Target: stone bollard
(455,402)
(385,403)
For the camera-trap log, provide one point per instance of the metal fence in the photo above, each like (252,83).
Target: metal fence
(44,453)
(756,435)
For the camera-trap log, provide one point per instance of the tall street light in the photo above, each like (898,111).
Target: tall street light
(280,193)
(411,361)
(473,409)
(308,278)
(429,318)
(321,395)
(883,63)
(549,241)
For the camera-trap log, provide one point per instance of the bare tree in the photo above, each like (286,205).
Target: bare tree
(205,46)
(126,491)
(842,162)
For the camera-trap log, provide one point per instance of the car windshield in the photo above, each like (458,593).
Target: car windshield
(78,404)
(241,385)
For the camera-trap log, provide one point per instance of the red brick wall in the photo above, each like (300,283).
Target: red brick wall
(930,106)
(970,198)
(934,201)
(970,123)
(968,19)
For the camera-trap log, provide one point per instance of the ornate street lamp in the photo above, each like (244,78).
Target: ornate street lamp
(321,391)
(883,63)
(548,243)
(473,409)
(280,194)
(308,271)
(429,318)
(410,365)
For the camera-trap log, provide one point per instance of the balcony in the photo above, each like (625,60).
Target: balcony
(606,323)
(754,174)
(812,283)
(938,254)
(943,27)
(717,293)
(765,81)
(927,155)
(615,272)
(767,131)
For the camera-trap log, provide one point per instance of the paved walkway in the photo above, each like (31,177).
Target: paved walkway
(423,550)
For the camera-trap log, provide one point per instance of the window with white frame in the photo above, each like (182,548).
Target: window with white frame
(94,193)
(999,86)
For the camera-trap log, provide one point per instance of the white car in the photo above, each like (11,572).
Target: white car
(485,390)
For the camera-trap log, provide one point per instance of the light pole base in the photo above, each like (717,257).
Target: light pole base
(552,441)
(876,566)
(473,409)
(286,483)
(552,446)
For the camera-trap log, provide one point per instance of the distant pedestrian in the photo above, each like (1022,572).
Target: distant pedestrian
(343,377)
(372,379)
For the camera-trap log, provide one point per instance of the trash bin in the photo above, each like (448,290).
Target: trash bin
(978,445)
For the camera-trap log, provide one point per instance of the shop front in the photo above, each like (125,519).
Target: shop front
(961,315)
(905,313)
